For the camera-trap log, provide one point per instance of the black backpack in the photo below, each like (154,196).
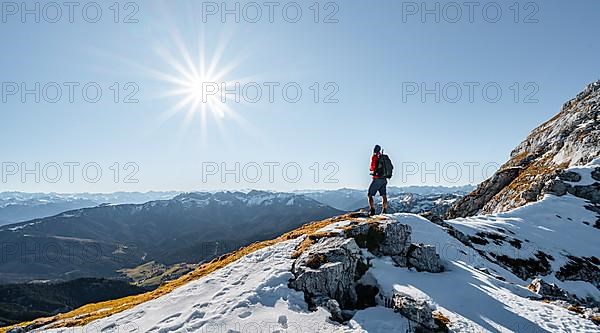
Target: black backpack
(384,166)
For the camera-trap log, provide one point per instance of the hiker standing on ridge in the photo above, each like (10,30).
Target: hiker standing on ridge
(381,170)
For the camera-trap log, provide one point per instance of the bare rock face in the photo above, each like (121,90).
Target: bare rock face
(570,138)
(474,202)
(424,258)
(329,268)
(396,238)
(384,238)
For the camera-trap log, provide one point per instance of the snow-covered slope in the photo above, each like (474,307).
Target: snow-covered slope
(556,238)
(475,294)
(252,292)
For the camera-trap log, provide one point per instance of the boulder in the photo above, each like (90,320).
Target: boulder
(329,268)
(424,258)
(383,238)
(332,306)
(396,238)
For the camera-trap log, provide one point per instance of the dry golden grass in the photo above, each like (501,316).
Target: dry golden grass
(314,235)
(94,311)
(576,309)
(442,321)
(523,182)
(596,319)
(310,240)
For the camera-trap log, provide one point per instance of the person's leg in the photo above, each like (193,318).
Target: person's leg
(383,192)
(371,206)
(371,192)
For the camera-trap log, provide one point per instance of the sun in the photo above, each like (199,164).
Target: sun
(195,82)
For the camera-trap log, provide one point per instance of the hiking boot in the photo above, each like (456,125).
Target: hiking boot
(371,211)
(384,211)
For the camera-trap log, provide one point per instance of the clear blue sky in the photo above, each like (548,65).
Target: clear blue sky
(374,51)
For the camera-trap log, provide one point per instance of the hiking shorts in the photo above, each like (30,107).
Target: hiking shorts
(378,185)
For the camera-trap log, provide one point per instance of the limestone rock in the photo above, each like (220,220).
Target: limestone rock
(328,268)
(419,311)
(424,258)
(396,238)
(568,139)
(472,203)
(384,238)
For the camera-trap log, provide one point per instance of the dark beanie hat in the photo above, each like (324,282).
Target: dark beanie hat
(377,149)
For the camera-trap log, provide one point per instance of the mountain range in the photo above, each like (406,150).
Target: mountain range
(352,199)
(21,206)
(192,227)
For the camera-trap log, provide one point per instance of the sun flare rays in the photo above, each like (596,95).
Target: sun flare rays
(191,77)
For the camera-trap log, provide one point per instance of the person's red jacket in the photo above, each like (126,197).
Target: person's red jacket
(374,160)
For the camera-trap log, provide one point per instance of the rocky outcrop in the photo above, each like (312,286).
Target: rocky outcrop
(549,291)
(472,203)
(568,139)
(329,268)
(559,187)
(383,238)
(392,239)
(526,268)
(331,271)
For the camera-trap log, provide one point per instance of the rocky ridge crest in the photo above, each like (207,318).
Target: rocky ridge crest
(570,138)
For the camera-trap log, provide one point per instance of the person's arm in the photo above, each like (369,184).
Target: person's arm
(373,163)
